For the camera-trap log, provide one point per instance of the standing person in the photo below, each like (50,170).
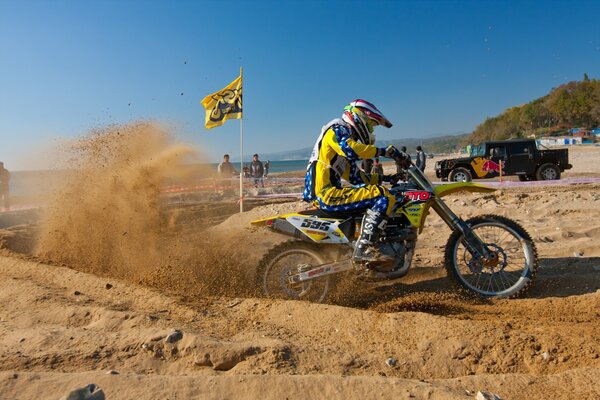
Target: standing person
(399,169)
(421,158)
(341,143)
(226,171)
(367,165)
(225,168)
(377,167)
(4,179)
(257,171)
(267,166)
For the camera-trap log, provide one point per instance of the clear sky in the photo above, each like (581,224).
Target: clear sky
(433,67)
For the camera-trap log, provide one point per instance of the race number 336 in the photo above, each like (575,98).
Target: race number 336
(312,224)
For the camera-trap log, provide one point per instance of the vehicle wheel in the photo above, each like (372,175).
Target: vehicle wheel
(460,175)
(286,259)
(509,275)
(548,172)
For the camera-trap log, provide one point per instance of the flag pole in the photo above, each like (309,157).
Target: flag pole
(242,149)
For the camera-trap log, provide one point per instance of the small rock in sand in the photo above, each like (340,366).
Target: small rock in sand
(234,303)
(174,336)
(487,396)
(112,372)
(391,362)
(109,286)
(89,392)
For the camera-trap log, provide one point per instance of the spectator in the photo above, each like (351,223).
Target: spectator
(267,166)
(421,158)
(377,167)
(398,164)
(366,165)
(4,178)
(257,171)
(225,168)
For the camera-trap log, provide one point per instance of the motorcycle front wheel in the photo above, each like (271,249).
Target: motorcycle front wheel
(288,259)
(509,274)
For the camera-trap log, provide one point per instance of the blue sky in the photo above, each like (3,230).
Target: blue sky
(433,67)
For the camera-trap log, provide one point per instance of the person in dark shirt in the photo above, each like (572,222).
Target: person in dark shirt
(399,169)
(421,158)
(267,166)
(257,171)
(4,179)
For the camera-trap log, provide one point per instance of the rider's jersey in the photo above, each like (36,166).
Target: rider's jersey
(334,158)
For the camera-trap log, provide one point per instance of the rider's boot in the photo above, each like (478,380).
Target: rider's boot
(373,223)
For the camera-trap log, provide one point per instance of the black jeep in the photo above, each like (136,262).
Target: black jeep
(519,157)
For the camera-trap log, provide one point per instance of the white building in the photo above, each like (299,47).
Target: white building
(560,141)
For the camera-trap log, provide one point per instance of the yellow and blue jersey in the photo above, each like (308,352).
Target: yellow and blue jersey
(334,158)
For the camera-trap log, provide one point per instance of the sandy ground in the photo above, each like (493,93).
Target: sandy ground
(83,302)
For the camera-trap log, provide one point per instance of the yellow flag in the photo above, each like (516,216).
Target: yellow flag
(224,104)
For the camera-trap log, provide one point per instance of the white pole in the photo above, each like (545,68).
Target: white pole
(242,149)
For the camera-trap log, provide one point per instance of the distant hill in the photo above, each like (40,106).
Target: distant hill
(572,105)
(436,145)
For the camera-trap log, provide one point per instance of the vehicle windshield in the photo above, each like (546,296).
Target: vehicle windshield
(478,151)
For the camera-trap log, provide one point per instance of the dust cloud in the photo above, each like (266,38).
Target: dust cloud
(111,219)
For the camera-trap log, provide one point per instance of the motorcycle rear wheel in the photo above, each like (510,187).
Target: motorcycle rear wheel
(513,272)
(287,259)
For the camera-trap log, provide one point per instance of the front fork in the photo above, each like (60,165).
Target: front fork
(472,242)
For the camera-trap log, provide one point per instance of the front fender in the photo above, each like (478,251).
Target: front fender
(449,188)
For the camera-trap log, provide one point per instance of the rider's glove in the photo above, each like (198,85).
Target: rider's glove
(392,152)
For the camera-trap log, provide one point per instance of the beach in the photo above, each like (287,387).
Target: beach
(94,282)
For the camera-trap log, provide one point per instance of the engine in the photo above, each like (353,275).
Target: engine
(398,243)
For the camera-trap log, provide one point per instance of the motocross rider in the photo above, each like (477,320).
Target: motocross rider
(342,142)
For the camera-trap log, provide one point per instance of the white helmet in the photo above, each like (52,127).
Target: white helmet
(363,117)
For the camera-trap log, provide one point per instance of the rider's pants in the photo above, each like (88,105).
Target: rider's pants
(374,197)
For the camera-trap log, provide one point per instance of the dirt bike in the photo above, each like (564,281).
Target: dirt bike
(488,256)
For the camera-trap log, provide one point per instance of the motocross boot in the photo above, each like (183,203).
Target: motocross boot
(372,225)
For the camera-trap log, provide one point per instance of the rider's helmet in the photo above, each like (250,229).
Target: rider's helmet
(363,117)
